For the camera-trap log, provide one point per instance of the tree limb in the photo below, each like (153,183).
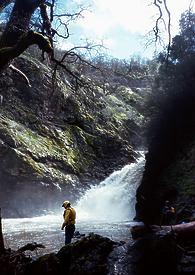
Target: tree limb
(72,16)
(13,68)
(156,28)
(46,26)
(4,4)
(168,26)
(9,53)
(162,4)
(19,21)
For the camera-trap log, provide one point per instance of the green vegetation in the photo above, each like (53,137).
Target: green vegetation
(58,146)
(170,168)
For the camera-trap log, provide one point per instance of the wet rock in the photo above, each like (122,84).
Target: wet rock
(187,264)
(89,256)
(78,235)
(86,257)
(121,260)
(154,254)
(13,263)
(45,265)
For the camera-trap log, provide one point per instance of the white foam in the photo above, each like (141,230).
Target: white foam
(114,198)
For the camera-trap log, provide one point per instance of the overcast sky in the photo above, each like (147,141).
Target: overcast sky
(123,25)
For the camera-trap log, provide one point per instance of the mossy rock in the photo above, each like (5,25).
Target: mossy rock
(49,134)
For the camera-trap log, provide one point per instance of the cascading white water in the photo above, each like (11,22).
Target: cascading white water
(105,209)
(114,198)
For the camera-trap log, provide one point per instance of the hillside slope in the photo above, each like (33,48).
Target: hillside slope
(54,141)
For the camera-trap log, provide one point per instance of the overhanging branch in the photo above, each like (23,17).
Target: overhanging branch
(168,25)
(162,4)
(4,4)
(156,28)
(9,53)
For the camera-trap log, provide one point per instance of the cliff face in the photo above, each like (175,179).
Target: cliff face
(170,164)
(54,141)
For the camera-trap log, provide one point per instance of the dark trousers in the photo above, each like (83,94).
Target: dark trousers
(69,233)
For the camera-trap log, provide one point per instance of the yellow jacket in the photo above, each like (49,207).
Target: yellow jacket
(69,216)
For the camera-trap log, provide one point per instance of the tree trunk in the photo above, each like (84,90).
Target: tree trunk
(184,232)
(2,247)
(16,37)
(7,54)
(4,3)
(19,21)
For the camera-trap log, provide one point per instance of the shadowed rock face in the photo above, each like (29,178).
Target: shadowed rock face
(55,140)
(169,171)
(86,257)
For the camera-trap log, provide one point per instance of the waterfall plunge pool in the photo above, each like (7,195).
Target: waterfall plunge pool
(46,230)
(107,209)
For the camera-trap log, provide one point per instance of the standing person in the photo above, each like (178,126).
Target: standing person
(168,214)
(69,221)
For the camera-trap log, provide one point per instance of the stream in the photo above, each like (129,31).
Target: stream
(107,209)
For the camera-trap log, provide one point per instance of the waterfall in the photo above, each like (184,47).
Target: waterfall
(103,209)
(114,198)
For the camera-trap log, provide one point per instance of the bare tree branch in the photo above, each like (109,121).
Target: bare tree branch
(72,16)
(4,4)
(156,28)
(65,25)
(19,21)
(17,37)
(168,26)
(13,68)
(46,25)
(162,4)
(52,10)
(9,53)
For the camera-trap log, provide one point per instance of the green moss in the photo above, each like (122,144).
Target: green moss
(128,96)
(70,148)
(38,130)
(119,116)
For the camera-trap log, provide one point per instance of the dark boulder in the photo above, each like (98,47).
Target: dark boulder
(86,257)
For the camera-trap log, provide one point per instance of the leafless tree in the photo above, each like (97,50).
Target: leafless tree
(17,36)
(37,22)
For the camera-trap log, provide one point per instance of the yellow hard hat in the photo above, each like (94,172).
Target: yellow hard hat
(65,203)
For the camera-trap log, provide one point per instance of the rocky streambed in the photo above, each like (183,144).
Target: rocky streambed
(152,253)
